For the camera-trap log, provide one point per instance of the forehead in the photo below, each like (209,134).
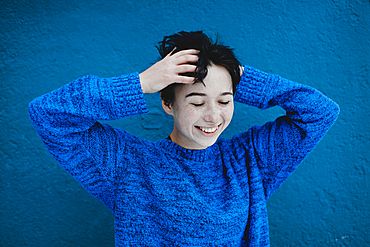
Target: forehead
(217,81)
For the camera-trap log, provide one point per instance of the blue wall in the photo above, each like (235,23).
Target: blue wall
(44,45)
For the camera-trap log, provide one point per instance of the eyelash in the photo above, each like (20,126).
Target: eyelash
(222,103)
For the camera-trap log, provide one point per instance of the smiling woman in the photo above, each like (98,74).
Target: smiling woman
(192,189)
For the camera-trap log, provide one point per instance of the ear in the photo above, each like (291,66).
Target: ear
(167,108)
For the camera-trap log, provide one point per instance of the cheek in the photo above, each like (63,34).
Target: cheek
(228,113)
(186,115)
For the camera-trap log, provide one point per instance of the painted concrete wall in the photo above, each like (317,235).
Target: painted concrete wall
(46,44)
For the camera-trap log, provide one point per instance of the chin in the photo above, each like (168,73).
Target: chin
(206,144)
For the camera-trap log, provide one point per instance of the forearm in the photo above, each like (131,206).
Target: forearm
(302,103)
(76,106)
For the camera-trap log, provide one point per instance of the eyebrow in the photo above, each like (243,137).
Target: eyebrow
(203,94)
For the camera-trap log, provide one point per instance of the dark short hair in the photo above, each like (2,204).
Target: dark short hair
(209,53)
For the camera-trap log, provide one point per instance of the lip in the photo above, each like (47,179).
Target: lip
(209,134)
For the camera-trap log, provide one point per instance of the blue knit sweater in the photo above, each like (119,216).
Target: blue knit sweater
(164,195)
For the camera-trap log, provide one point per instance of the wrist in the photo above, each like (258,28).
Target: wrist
(142,80)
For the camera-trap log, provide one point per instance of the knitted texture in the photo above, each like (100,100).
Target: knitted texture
(162,194)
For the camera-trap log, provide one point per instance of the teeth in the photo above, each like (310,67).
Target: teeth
(208,130)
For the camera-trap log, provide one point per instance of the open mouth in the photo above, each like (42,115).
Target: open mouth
(208,130)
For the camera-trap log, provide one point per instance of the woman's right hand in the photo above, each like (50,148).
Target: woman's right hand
(168,70)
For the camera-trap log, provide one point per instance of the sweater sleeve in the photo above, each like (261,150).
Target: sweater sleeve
(67,121)
(278,147)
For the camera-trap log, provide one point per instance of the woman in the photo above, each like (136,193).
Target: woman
(191,189)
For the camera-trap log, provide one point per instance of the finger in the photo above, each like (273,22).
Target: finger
(170,54)
(185,79)
(186,52)
(186,68)
(187,59)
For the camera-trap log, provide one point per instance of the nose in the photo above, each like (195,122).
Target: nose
(211,114)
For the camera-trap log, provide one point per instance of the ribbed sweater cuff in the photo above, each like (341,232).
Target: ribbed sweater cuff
(129,97)
(254,86)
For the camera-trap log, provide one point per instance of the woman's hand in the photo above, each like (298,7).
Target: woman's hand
(241,70)
(168,70)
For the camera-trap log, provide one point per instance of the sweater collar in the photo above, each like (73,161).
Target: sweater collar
(179,152)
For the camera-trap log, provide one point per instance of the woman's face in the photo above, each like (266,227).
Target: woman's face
(201,113)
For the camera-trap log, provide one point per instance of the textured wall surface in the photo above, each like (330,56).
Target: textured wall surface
(46,44)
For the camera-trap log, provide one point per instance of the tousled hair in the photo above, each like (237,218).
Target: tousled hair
(209,53)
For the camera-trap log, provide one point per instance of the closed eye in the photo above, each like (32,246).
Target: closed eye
(224,102)
(197,105)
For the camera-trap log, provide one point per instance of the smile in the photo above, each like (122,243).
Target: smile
(208,130)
